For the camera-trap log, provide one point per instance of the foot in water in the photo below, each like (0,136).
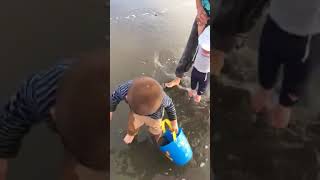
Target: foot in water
(197,98)
(172,83)
(128,139)
(280,116)
(191,93)
(261,101)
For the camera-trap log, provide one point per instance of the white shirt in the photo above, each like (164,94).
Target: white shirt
(299,17)
(202,61)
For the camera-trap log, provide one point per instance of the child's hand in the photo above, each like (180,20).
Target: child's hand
(174,124)
(202,17)
(128,139)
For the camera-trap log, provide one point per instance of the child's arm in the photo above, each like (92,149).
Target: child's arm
(3,169)
(171,111)
(16,118)
(118,95)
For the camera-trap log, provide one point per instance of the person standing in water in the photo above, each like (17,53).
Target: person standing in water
(201,67)
(187,58)
(231,20)
(286,41)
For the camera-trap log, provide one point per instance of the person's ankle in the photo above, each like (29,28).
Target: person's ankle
(261,100)
(173,83)
(178,80)
(197,98)
(280,116)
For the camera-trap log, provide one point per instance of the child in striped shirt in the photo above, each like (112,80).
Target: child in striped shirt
(53,97)
(147,102)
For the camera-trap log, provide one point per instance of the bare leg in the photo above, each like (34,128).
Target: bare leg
(157,137)
(261,100)
(280,116)
(133,128)
(3,169)
(217,62)
(192,93)
(69,167)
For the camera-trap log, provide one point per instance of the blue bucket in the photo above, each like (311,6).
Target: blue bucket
(177,149)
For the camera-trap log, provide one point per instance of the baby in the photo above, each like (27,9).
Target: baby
(147,102)
(201,67)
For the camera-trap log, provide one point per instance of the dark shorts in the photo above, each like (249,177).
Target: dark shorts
(279,49)
(200,79)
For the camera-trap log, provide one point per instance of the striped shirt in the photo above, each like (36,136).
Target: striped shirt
(29,106)
(121,92)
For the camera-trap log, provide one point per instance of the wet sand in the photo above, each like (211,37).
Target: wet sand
(147,38)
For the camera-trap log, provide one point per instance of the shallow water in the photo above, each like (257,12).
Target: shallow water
(147,38)
(244,150)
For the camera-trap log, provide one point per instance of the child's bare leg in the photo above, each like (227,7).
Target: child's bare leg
(154,128)
(282,112)
(191,92)
(133,128)
(69,167)
(157,137)
(261,100)
(203,84)
(280,116)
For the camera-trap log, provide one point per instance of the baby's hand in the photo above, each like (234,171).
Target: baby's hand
(174,124)
(128,139)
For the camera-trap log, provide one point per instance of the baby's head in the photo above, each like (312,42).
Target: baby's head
(145,96)
(204,41)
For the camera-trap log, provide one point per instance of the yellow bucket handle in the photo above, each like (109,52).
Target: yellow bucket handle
(163,126)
